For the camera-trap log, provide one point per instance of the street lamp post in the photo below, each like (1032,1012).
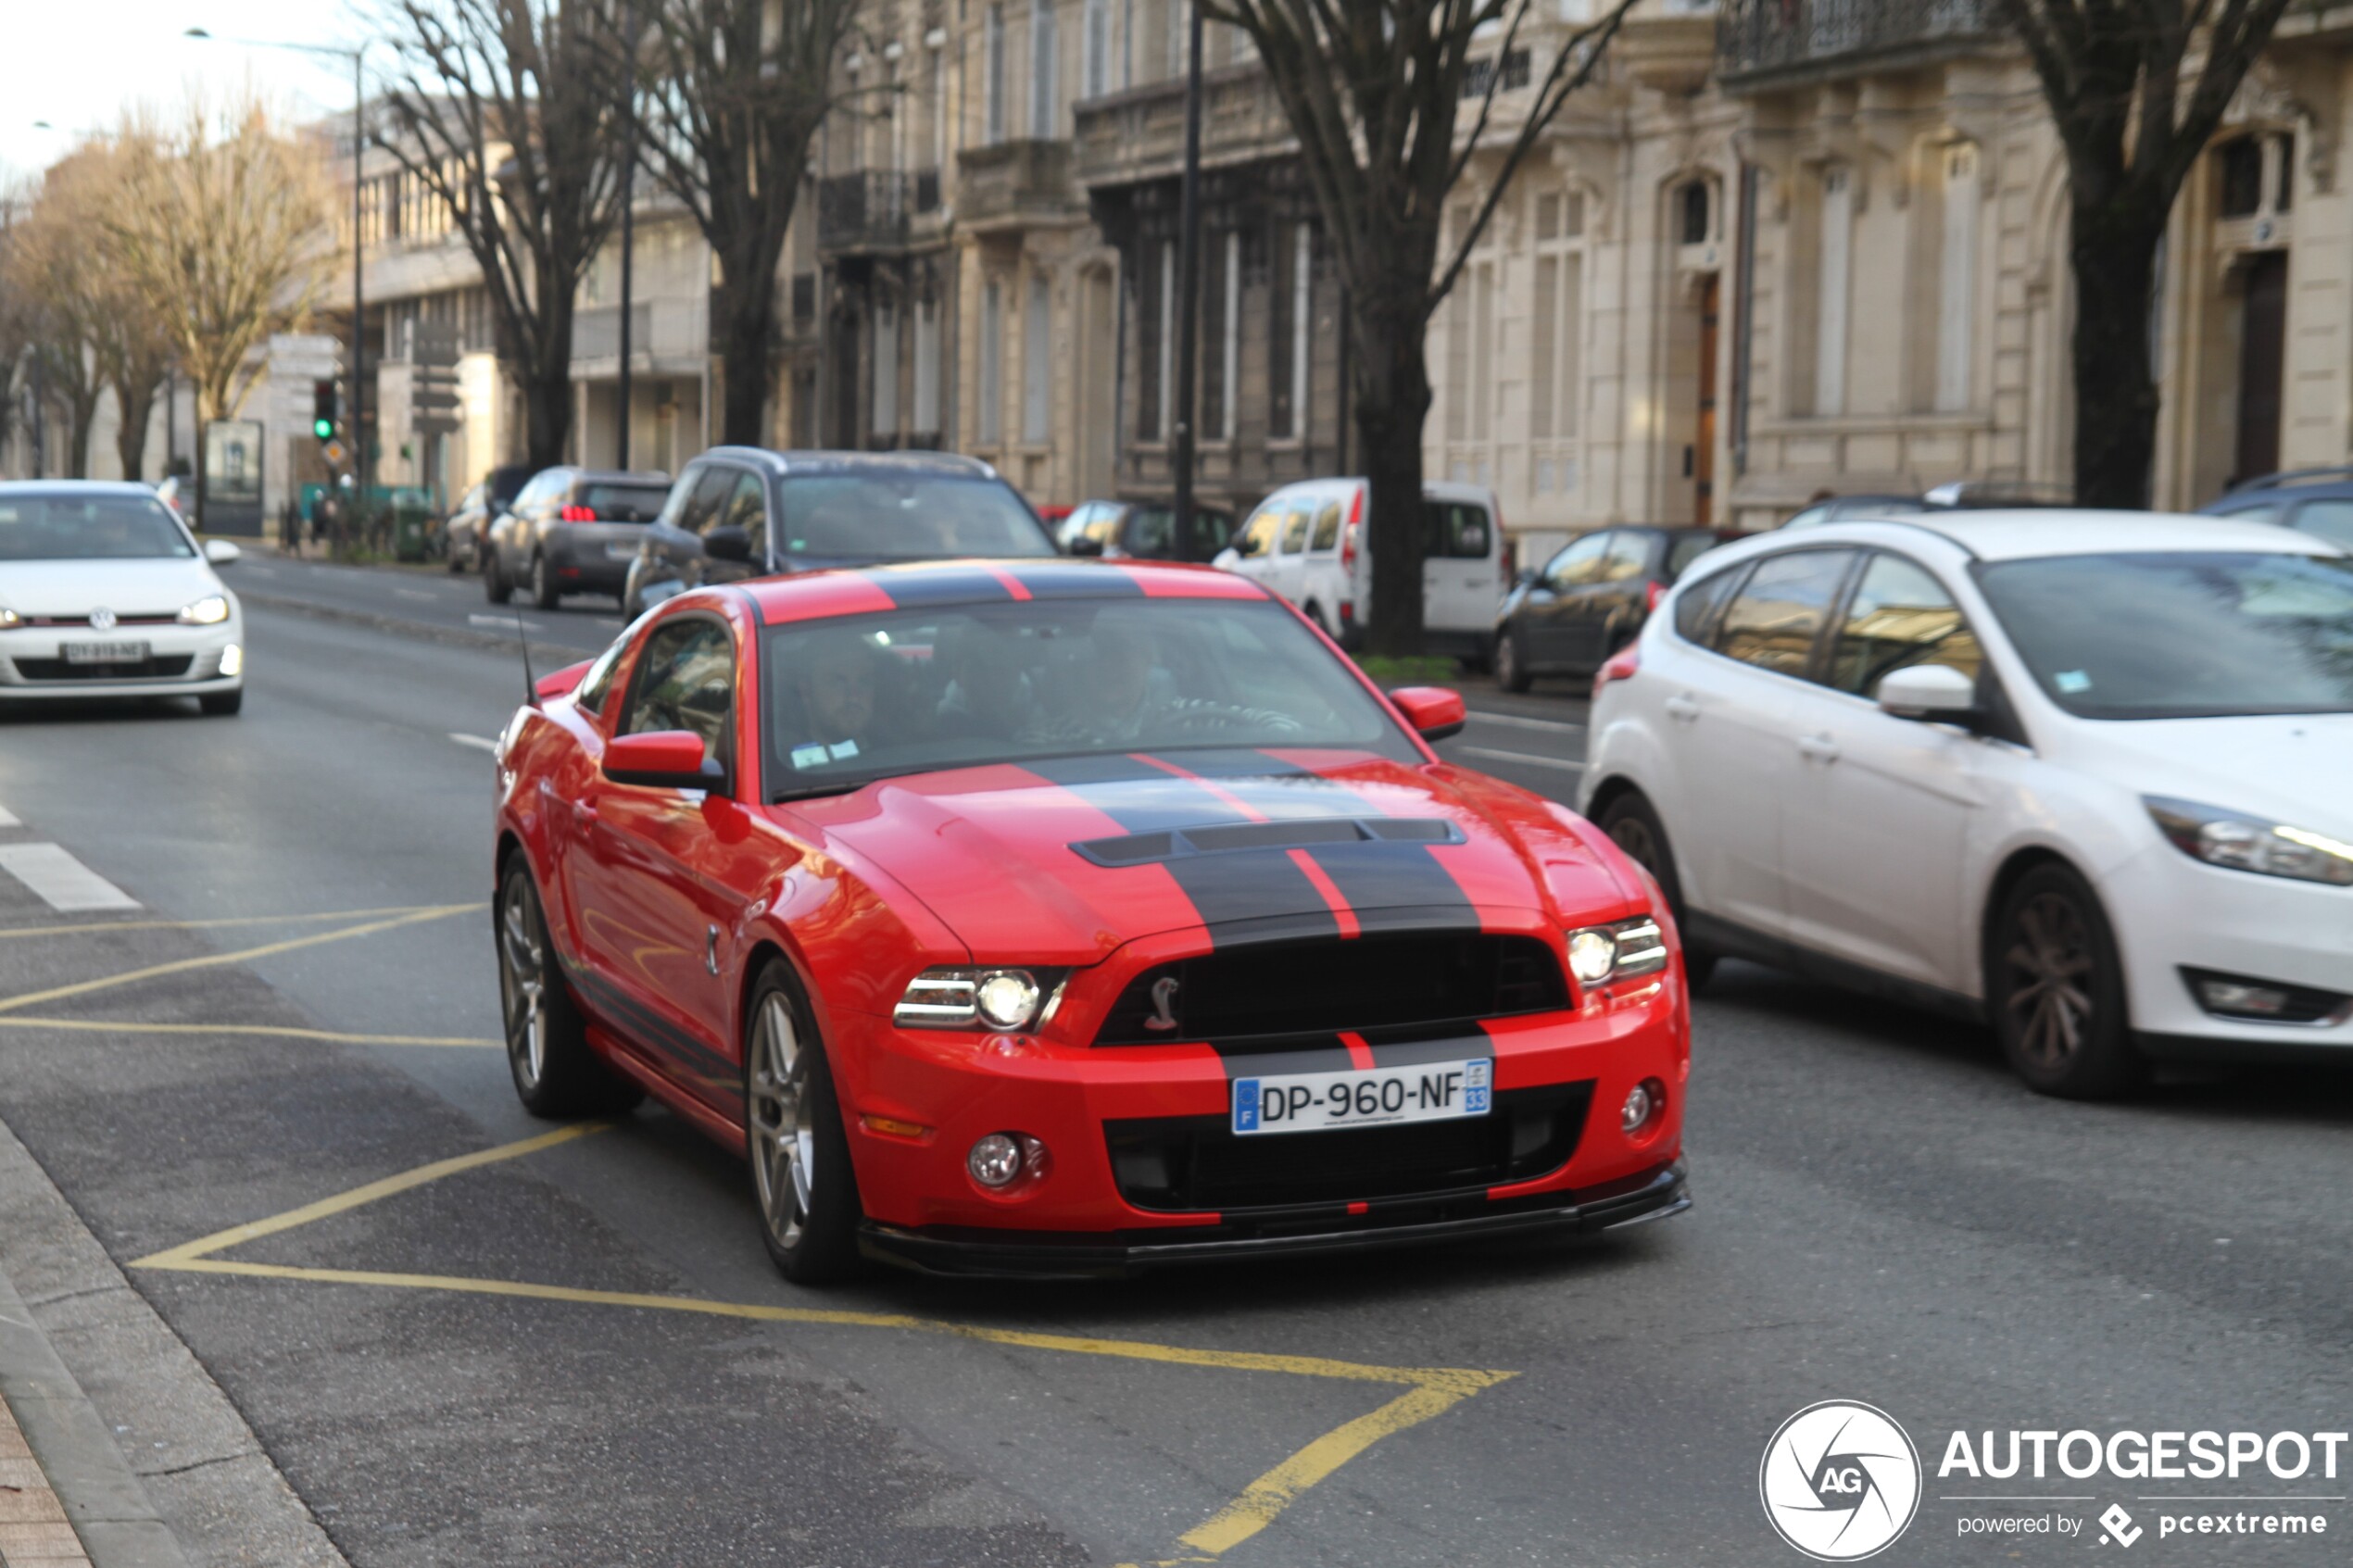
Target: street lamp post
(357,380)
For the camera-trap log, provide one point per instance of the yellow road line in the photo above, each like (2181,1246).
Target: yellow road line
(7,932)
(179,966)
(273,1031)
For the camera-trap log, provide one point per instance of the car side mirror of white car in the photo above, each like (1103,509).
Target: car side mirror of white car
(220,552)
(1933,692)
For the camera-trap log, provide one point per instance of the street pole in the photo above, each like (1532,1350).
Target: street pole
(628,217)
(1188,292)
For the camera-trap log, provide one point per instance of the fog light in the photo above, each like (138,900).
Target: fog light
(233,660)
(2237,996)
(1007,999)
(1592,954)
(1637,1110)
(995,1160)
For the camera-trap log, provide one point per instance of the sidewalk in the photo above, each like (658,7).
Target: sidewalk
(117,1448)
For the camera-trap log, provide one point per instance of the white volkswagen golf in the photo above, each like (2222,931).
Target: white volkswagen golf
(2087,776)
(104,592)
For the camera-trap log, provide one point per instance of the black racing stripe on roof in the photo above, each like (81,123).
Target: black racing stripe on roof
(1074,579)
(923,590)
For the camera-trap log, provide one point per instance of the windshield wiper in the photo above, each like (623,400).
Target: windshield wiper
(819,792)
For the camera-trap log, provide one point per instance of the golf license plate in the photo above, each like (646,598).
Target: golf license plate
(620,552)
(104,653)
(1321,1102)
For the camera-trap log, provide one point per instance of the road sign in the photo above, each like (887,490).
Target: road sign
(433,401)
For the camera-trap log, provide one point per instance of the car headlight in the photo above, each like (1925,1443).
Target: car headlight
(8,618)
(1602,955)
(2242,843)
(1004,1000)
(210,610)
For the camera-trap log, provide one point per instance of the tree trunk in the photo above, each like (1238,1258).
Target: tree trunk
(1392,398)
(546,392)
(135,397)
(2113,253)
(750,318)
(84,405)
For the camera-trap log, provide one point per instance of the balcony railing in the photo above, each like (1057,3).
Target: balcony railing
(1765,38)
(872,210)
(659,328)
(1014,180)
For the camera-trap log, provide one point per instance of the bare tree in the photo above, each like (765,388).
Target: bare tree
(220,225)
(2136,88)
(15,303)
(732,106)
(1373,90)
(508,113)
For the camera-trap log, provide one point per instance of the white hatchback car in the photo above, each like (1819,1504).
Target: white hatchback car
(2087,776)
(103,593)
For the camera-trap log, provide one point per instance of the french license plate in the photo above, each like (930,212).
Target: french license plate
(1319,1102)
(103,653)
(620,552)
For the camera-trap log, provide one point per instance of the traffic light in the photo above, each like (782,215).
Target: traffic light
(323,409)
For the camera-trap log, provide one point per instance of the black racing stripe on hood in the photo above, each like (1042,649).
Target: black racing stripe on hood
(920,590)
(1370,875)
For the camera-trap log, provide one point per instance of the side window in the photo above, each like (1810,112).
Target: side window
(2332,520)
(1452,530)
(748,508)
(1695,609)
(702,507)
(595,685)
(1212,532)
(2264,511)
(1326,528)
(1260,531)
(1900,616)
(1576,565)
(1629,554)
(1295,526)
(686,680)
(1777,617)
(673,509)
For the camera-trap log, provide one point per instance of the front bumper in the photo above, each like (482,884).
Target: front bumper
(1652,1195)
(183,661)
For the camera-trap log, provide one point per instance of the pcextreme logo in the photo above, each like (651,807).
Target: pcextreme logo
(1840,1481)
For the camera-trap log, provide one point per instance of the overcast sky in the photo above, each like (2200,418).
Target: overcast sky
(77,63)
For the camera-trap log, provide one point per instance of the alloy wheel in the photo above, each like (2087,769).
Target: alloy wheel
(2050,964)
(522,981)
(1632,834)
(781,1118)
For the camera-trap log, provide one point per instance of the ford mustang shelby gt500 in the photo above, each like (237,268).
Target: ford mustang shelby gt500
(1068,919)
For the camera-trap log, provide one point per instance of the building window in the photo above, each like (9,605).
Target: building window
(1037,362)
(1483,351)
(1691,214)
(927,368)
(1831,262)
(1043,100)
(1174,14)
(1288,324)
(1098,74)
(993,64)
(2240,166)
(1150,397)
(939,108)
(886,419)
(1168,332)
(1956,283)
(992,363)
(1232,375)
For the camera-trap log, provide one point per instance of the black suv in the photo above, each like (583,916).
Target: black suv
(743,511)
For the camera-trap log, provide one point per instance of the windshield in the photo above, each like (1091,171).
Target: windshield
(871,516)
(1686,548)
(624,503)
(875,696)
(82,525)
(2182,635)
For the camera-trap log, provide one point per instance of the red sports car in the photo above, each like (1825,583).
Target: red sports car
(1070,918)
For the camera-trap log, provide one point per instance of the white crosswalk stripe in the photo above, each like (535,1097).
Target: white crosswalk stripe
(59,880)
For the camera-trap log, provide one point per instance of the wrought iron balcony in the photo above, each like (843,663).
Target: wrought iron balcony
(873,209)
(1759,41)
(1014,182)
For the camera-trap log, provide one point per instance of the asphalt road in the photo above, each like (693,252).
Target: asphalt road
(580,1354)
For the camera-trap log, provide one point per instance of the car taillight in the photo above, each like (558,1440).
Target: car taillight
(578,514)
(1622,663)
(1657,592)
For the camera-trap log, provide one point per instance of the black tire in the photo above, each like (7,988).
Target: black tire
(544,591)
(1635,828)
(1512,673)
(495,586)
(222,705)
(456,564)
(2054,987)
(556,1074)
(802,1186)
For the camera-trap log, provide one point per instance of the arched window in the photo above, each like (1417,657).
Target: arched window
(1693,214)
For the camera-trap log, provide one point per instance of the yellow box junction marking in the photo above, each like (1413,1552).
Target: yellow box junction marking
(1428,1391)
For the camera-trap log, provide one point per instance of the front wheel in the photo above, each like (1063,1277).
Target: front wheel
(1512,673)
(1635,828)
(801,1172)
(2055,989)
(556,1074)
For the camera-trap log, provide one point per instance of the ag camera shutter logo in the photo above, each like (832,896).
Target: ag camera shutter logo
(1840,1481)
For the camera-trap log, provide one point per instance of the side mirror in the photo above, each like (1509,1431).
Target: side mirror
(1082,546)
(1526,578)
(663,760)
(1243,544)
(1934,692)
(561,683)
(1434,712)
(729,543)
(220,552)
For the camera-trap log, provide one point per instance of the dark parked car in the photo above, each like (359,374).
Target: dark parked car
(740,512)
(1970,495)
(1591,600)
(1140,530)
(2318,501)
(464,533)
(571,531)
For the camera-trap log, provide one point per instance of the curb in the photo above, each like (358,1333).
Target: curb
(396,625)
(105,1502)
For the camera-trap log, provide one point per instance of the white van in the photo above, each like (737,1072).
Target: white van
(1307,542)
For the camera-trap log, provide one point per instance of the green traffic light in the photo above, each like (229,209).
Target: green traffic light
(323,429)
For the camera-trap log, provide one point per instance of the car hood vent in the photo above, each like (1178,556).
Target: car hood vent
(1153,849)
